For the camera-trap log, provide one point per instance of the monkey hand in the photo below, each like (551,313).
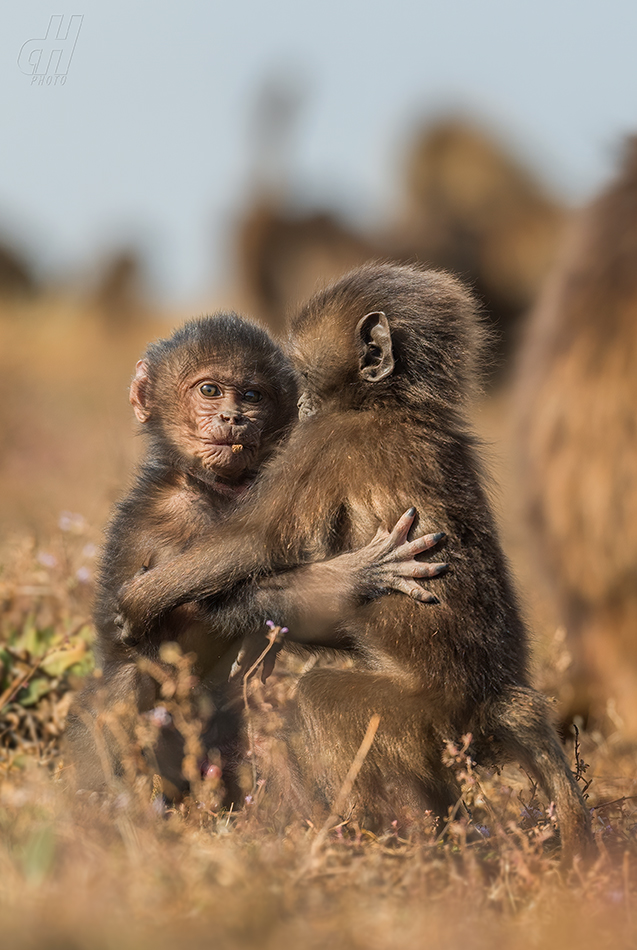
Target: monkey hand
(140,605)
(125,630)
(258,647)
(392,564)
(128,631)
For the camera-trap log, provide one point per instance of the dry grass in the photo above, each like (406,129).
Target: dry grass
(124,872)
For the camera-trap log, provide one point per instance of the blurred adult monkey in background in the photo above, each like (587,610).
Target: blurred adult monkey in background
(577,440)
(215,399)
(387,358)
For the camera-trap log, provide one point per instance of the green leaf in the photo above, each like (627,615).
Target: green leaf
(58,662)
(38,854)
(34,691)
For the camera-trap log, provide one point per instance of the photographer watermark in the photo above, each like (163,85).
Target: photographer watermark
(47,60)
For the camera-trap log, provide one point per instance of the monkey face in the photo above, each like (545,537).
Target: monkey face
(217,416)
(224,417)
(223,413)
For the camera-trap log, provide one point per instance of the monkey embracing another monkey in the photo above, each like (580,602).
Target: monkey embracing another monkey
(386,356)
(215,401)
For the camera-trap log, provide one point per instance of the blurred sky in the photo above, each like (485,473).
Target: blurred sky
(150,138)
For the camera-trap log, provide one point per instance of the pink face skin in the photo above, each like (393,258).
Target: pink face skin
(220,417)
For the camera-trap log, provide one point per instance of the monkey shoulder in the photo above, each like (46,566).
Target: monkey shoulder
(352,442)
(159,518)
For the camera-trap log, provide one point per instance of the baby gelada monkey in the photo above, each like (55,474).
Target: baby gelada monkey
(215,400)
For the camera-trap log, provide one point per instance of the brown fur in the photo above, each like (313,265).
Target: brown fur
(192,479)
(576,404)
(185,487)
(386,355)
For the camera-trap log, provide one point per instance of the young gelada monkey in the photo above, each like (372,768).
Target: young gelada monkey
(215,400)
(387,357)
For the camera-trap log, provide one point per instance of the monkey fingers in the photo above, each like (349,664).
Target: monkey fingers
(401,577)
(258,648)
(403,525)
(400,530)
(414,590)
(422,544)
(419,569)
(126,633)
(393,558)
(396,544)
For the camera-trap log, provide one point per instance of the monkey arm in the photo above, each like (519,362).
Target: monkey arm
(268,534)
(312,599)
(186,578)
(315,601)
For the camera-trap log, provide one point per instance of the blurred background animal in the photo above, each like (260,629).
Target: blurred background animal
(576,410)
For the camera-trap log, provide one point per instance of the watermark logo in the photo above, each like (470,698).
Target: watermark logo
(47,60)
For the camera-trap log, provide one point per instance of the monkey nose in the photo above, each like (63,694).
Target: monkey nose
(231,415)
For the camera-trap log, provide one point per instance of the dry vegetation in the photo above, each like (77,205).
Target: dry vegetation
(126,871)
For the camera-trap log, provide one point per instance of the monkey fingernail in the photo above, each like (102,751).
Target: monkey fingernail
(427,541)
(129,639)
(437,569)
(410,512)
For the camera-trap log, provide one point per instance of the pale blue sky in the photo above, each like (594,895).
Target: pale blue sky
(148,138)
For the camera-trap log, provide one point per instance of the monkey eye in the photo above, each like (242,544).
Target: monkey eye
(252,395)
(209,389)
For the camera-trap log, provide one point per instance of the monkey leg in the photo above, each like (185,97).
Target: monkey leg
(402,775)
(86,746)
(219,742)
(518,728)
(101,726)
(224,736)
(100,730)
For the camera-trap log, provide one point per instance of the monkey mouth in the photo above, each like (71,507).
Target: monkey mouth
(226,452)
(231,444)
(228,449)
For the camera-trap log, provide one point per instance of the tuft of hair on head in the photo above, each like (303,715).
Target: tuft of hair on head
(223,336)
(437,330)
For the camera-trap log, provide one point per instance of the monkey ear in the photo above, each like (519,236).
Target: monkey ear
(138,393)
(374,344)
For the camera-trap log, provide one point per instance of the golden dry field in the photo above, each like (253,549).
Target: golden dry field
(127,872)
